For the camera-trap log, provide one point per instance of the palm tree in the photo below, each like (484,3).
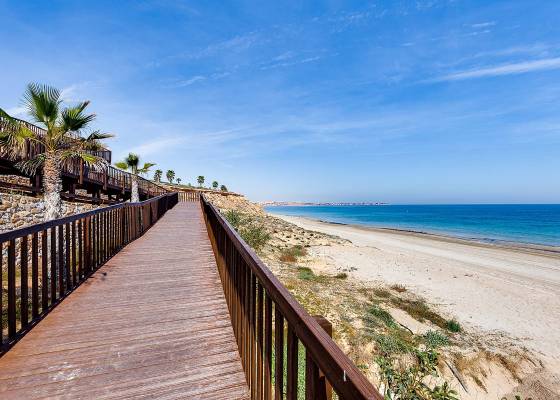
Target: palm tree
(157,175)
(62,143)
(200,180)
(170,174)
(215,185)
(178,181)
(131,163)
(223,188)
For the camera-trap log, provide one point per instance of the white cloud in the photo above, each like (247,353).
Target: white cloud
(506,69)
(190,81)
(483,24)
(155,146)
(16,111)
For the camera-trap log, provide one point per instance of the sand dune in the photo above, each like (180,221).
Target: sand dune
(490,288)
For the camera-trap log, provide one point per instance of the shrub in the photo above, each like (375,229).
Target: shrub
(255,236)
(382,315)
(306,274)
(341,275)
(398,288)
(291,254)
(453,326)
(234,217)
(435,339)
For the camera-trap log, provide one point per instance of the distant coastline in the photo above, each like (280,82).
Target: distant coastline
(303,204)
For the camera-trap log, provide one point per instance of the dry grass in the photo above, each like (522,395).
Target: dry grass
(398,288)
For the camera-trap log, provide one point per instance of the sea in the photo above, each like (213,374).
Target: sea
(535,224)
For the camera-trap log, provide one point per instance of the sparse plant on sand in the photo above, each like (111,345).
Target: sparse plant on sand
(252,232)
(435,339)
(291,254)
(411,381)
(223,188)
(131,163)
(62,143)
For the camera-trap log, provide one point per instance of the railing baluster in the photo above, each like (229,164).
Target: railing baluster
(24,275)
(61,290)
(35,275)
(12,289)
(53,265)
(259,341)
(278,354)
(267,348)
(68,260)
(44,271)
(292,373)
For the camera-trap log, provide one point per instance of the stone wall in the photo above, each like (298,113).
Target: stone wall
(17,210)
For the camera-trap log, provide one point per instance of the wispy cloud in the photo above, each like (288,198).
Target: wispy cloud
(17,111)
(483,24)
(190,81)
(505,69)
(156,146)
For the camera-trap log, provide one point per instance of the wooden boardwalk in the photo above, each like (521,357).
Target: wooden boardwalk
(151,323)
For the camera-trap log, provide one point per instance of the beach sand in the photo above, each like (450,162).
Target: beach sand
(506,290)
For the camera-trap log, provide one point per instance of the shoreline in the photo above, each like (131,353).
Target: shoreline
(543,249)
(504,289)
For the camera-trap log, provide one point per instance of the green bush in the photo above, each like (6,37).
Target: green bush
(453,326)
(292,254)
(435,339)
(306,274)
(234,217)
(254,236)
(341,275)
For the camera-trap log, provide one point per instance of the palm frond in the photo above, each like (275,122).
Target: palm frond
(91,160)
(98,135)
(145,168)
(121,165)
(42,103)
(74,119)
(31,166)
(13,135)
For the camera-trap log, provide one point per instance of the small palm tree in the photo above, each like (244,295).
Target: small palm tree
(215,185)
(170,174)
(200,180)
(178,181)
(157,175)
(223,188)
(61,145)
(131,164)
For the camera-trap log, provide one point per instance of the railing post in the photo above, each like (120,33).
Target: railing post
(316,385)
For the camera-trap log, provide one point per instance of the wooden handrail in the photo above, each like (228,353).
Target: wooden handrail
(251,289)
(55,257)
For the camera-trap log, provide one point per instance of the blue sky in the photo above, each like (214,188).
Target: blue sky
(402,101)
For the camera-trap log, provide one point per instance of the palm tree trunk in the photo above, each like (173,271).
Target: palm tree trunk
(134,196)
(52,185)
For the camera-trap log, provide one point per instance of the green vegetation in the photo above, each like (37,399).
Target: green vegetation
(200,180)
(178,181)
(453,326)
(215,185)
(435,339)
(409,382)
(292,254)
(341,275)
(131,163)
(61,144)
(170,175)
(252,232)
(223,188)
(306,274)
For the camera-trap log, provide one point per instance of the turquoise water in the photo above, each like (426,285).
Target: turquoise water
(531,224)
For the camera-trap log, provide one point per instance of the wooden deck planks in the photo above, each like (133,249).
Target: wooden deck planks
(151,323)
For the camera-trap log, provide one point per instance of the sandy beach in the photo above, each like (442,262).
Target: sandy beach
(496,289)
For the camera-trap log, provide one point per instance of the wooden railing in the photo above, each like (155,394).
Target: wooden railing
(189,196)
(45,262)
(269,324)
(109,177)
